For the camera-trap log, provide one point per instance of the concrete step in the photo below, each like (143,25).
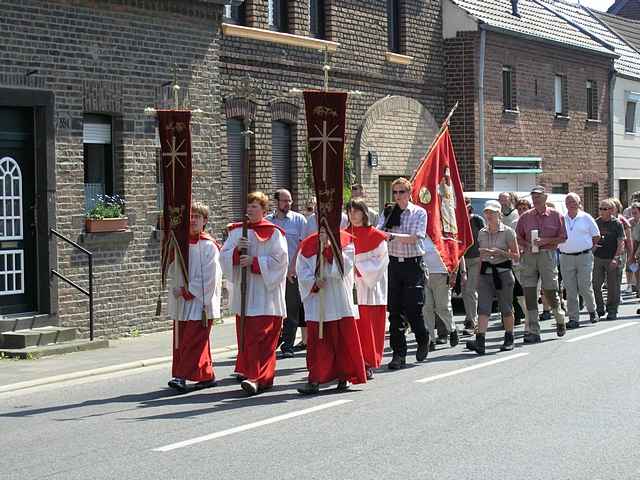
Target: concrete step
(36,337)
(30,353)
(10,323)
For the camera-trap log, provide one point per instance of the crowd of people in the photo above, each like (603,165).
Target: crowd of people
(282,274)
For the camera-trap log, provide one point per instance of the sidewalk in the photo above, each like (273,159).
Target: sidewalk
(122,354)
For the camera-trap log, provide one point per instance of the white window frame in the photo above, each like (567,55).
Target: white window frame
(557,84)
(5,273)
(13,166)
(632,97)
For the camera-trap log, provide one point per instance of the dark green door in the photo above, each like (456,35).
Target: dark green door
(18,282)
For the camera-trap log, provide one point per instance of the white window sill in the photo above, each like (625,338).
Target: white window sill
(509,111)
(559,116)
(397,58)
(632,134)
(230,30)
(593,120)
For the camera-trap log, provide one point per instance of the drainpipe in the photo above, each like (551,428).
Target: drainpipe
(483,42)
(611,137)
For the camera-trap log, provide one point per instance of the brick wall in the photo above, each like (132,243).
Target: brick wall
(573,150)
(111,57)
(360,27)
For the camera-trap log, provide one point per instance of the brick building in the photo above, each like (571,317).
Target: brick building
(78,74)
(76,78)
(388,51)
(626,8)
(534,97)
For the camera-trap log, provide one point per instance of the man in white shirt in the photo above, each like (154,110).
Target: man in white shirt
(576,259)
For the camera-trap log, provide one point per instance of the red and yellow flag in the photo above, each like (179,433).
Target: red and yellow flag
(437,189)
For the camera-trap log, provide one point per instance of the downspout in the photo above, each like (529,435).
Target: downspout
(483,42)
(611,138)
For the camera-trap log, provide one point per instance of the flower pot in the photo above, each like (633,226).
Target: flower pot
(106,225)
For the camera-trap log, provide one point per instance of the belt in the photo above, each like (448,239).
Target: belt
(577,253)
(405,259)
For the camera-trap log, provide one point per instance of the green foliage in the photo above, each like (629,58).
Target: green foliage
(107,207)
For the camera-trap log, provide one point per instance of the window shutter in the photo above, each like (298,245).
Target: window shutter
(96,129)
(565,96)
(235,146)
(281,155)
(514,102)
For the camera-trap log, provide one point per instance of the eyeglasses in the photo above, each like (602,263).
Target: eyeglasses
(399,192)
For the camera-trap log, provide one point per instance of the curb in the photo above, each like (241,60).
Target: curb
(13,387)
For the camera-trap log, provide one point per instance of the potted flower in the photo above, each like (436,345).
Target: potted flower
(107,215)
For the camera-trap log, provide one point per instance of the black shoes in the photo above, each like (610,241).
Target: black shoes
(441,340)
(507,345)
(300,347)
(309,388)
(561,328)
(454,339)
(397,362)
(343,385)
(593,317)
(178,384)
(422,352)
(612,316)
(477,345)
(369,373)
(532,338)
(545,315)
(432,346)
(571,324)
(206,384)
(469,328)
(286,352)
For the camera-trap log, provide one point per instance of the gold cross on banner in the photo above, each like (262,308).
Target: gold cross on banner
(324,141)
(174,154)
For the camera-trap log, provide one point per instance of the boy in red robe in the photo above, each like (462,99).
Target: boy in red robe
(194,306)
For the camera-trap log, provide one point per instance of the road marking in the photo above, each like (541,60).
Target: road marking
(468,369)
(249,426)
(601,332)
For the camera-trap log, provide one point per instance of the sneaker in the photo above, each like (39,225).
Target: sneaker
(309,388)
(369,373)
(600,313)
(397,362)
(454,339)
(507,345)
(250,387)
(593,317)
(178,384)
(238,376)
(469,328)
(532,338)
(571,324)
(343,385)
(432,346)
(477,345)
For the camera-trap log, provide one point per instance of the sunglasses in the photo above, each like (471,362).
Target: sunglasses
(399,192)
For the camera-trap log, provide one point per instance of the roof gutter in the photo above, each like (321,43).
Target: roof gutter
(610,150)
(481,118)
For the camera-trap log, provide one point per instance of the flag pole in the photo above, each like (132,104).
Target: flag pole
(443,127)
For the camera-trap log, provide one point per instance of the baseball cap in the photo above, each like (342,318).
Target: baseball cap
(492,205)
(538,189)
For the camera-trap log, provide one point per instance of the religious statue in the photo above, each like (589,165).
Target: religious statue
(447,206)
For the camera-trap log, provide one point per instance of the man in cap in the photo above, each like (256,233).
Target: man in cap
(539,231)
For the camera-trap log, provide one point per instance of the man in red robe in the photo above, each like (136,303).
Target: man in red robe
(194,306)
(267,262)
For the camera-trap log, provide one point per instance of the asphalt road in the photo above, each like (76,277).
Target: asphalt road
(564,409)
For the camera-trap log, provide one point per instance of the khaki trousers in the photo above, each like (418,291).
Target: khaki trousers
(437,300)
(470,290)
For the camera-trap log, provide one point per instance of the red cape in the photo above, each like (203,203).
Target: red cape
(204,236)
(366,239)
(263,229)
(309,246)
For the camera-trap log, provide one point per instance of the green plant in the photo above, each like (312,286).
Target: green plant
(107,206)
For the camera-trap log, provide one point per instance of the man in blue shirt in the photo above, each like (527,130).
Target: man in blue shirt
(293,224)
